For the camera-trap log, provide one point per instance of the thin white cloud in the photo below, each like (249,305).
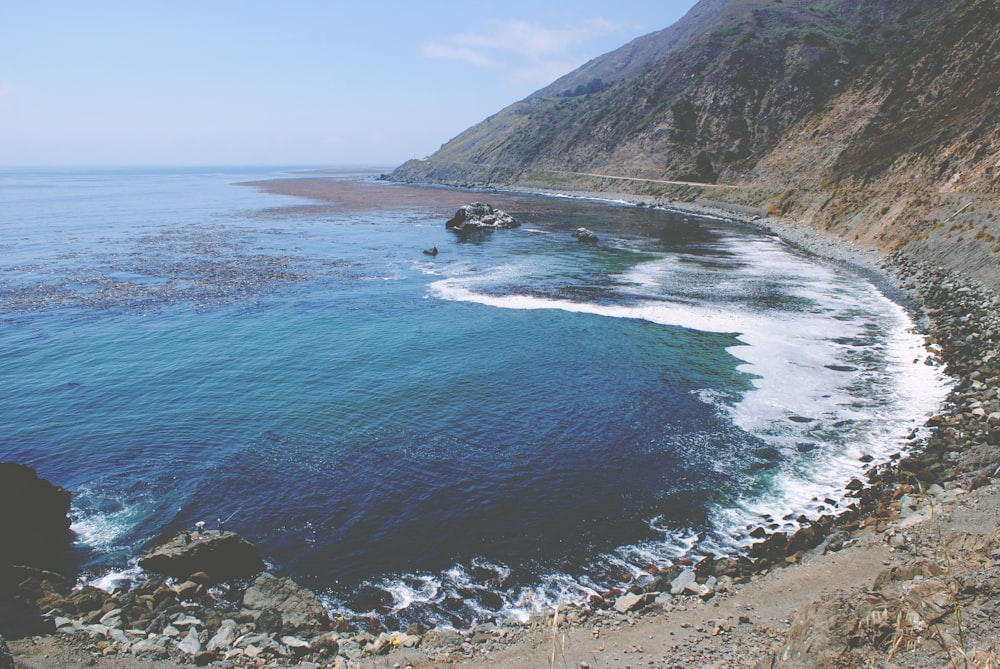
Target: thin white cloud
(467,54)
(508,44)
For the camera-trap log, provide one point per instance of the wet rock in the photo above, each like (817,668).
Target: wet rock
(585,235)
(223,556)
(479,216)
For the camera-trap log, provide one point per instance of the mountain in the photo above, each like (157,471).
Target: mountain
(873,119)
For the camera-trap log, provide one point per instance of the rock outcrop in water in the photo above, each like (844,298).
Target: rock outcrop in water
(221,555)
(479,216)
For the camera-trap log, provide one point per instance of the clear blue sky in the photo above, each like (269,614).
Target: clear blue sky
(170,82)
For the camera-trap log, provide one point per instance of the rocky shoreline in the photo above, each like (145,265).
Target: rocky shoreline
(269,621)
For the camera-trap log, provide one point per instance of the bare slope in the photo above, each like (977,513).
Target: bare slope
(875,120)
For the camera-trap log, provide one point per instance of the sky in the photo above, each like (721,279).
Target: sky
(293,82)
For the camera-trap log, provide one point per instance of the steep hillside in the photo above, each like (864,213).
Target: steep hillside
(874,119)
(704,99)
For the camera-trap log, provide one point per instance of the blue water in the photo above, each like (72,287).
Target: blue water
(517,421)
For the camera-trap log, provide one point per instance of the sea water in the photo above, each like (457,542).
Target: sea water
(517,421)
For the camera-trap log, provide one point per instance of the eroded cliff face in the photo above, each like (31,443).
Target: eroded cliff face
(878,121)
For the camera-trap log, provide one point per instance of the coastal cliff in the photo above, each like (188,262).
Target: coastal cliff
(869,127)
(877,122)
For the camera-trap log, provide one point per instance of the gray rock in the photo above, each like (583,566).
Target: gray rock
(113,618)
(442,638)
(681,583)
(663,600)
(380,646)
(64,625)
(406,640)
(294,643)
(119,637)
(190,644)
(97,631)
(155,647)
(223,639)
(585,235)
(300,609)
(270,621)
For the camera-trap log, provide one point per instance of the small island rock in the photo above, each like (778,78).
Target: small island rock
(479,216)
(585,235)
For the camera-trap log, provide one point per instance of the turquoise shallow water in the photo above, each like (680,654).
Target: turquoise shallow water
(520,419)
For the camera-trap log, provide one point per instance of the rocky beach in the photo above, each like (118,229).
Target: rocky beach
(908,576)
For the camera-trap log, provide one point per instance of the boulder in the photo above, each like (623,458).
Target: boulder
(479,216)
(631,601)
(190,644)
(585,235)
(34,519)
(270,621)
(223,556)
(442,637)
(684,581)
(328,641)
(301,610)
(223,639)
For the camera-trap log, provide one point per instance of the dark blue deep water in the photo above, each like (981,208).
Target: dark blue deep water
(517,421)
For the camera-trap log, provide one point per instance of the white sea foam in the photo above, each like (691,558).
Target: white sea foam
(825,389)
(103,520)
(118,578)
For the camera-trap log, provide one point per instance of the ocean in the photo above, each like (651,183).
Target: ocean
(519,421)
